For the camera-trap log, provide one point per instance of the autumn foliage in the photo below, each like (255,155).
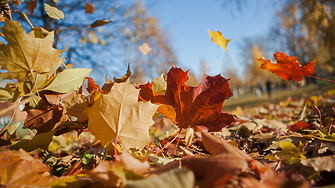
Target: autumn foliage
(192,106)
(288,67)
(208,149)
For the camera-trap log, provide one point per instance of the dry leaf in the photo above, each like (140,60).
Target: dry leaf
(14,56)
(99,23)
(89,8)
(218,39)
(53,12)
(287,67)
(145,49)
(118,114)
(31,5)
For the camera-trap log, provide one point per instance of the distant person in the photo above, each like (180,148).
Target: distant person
(268,88)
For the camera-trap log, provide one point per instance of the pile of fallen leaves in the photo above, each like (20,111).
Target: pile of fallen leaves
(96,136)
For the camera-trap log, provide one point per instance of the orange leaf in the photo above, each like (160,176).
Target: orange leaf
(287,67)
(193,106)
(17,171)
(92,85)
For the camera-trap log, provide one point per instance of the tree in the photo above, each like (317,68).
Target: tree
(109,47)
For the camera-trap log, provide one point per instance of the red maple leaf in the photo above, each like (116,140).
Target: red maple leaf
(190,106)
(300,125)
(287,67)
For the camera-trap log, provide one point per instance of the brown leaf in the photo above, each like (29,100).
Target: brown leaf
(109,84)
(89,8)
(31,5)
(16,2)
(13,56)
(120,115)
(56,99)
(226,161)
(129,162)
(76,106)
(99,23)
(45,119)
(104,174)
(17,172)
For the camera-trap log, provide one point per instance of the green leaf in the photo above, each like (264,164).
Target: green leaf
(175,178)
(290,151)
(53,12)
(40,140)
(68,80)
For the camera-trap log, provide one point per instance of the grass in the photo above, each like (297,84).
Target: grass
(250,100)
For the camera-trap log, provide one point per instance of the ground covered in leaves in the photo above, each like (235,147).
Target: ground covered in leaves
(273,145)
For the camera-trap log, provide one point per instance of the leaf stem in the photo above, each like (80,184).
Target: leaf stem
(96,153)
(155,132)
(280,160)
(26,17)
(115,144)
(321,79)
(316,108)
(166,145)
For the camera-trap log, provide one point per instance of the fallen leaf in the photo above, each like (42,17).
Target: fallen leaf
(159,85)
(175,178)
(13,56)
(300,125)
(76,106)
(89,8)
(56,99)
(192,106)
(17,172)
(38,141)
(109,84)
(107,174)
(53,12)
(290,153)
(218,39)
(189,137)
(99,23)
(145,49)
(91,85)
(68,80)
(159,161)
(31,5)
(119,115)
(288,67)
(326,163)
(45,119)
(129,162)
(226,162)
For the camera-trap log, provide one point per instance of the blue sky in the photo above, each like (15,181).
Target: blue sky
(187,21)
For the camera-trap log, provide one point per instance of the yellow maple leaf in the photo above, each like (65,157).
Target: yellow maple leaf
(290,153)
(118,114)
(25,53)
(218,39)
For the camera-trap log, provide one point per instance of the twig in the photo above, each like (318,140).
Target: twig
(169,142)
